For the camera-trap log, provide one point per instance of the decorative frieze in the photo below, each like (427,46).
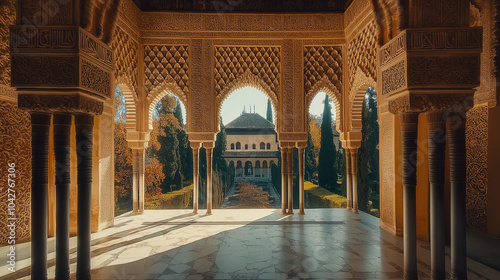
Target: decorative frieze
(73,103)
(57,39)
(440,71)
(435,39)
(44,71)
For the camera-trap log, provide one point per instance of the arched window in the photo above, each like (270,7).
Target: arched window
(269,146)
(254,146)
(262,146)
(238,146)
(246,146)
(232,146)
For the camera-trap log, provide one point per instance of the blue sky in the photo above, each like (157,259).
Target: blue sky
(248,97)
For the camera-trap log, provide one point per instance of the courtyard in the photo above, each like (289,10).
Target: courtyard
(244,244)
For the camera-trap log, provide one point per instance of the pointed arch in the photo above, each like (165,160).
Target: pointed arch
(248,79)
(130,103)
(331,90)
(160,91)
(356,96)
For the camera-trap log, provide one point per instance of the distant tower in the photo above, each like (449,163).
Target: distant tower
(244,110)
(269,114)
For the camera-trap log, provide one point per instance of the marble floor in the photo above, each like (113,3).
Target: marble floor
(243,244)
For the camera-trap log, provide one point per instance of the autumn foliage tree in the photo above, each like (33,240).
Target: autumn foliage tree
(123,158)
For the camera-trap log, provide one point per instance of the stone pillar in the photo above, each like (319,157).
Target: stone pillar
(139,169)
(302,149)
(348,178)
(135,183)
(84,126)
(354,176)
(196,165)
(209,147)
(62,128)
(436,146)
(40,124)
(409,126)
(284,177)
(289,158)
(455,129)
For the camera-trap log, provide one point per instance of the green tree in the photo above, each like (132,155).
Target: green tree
(368,155)
(269,113)
(310,159)
(327,175)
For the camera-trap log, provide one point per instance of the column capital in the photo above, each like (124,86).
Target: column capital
(209,145)
(301,145)
(195,145)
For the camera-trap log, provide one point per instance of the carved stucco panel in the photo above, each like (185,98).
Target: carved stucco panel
(287,92)
(125,54)
(362,53)
(231,62)
(8,12)
(196,96)
(15,147)
(166,64)
(387,191)
(477,167)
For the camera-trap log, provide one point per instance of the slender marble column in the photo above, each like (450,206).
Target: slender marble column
(62,128)
(141,165)
(289,158)
(196,156)
(40,124)
(409,125)
(84,126)
(455,129)
(437,145)
(284,177)
(301,180)
(354,170)
(348,178)
(209,149)
(135,182)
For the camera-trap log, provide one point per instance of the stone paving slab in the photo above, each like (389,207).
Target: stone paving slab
(244,244)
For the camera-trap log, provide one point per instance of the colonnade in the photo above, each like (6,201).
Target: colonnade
(287,176)
(40,125)
(442,127)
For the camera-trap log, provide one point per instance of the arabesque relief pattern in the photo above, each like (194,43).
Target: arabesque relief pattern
(8,12)
(125,54)
(166,64)
(387,192)
(15,147)
(232,62)
(362,53)
(477,167)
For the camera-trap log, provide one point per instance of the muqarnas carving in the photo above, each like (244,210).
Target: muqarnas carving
(166,64)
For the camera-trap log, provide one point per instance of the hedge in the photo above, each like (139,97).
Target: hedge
(317,197)
(180,199)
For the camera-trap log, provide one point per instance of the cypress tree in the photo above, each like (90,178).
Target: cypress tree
(327,175)
(269,113)
(310,160)
(368,171)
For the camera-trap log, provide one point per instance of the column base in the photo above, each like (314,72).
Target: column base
(355,209)
(283,212)
(301,212)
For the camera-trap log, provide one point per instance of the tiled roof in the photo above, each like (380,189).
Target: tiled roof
(250,120)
